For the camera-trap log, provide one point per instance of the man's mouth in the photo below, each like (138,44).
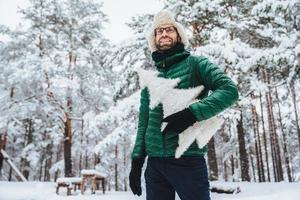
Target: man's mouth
(165,40)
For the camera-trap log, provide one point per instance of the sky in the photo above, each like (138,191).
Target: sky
(119,12)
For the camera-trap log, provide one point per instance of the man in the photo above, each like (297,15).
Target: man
(164,173)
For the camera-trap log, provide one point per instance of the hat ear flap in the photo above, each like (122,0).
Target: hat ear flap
(181,32)
(178,37)
(151,41)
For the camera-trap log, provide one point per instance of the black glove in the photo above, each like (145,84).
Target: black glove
(135,175)
(179,121)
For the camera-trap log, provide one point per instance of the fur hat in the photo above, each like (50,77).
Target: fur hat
(164,17)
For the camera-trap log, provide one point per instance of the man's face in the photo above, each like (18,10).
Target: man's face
(166,37)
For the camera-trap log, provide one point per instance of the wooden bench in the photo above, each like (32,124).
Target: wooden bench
(68,182)
(95,177)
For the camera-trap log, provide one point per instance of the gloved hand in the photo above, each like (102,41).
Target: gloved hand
(179,121)
(135,175)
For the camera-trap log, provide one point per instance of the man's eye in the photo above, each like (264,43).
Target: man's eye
(170,30)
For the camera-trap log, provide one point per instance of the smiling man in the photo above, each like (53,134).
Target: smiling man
(165,174)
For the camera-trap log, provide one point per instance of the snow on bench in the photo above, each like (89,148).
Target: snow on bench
(68,182)
(95,177)
(92,172)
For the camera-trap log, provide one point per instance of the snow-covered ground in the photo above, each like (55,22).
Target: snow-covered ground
(46,191)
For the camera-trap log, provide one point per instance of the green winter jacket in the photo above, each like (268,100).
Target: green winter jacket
(193,71)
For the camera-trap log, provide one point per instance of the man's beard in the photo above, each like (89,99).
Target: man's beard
(164,47)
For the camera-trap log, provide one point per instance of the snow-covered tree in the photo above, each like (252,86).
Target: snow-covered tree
(56,74)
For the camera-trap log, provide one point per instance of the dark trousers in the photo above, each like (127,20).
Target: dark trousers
(186,175)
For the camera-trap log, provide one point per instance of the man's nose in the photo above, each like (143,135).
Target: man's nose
(164,33)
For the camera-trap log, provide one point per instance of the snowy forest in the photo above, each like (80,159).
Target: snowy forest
(69,97)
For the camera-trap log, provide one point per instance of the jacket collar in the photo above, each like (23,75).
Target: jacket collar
(164,60)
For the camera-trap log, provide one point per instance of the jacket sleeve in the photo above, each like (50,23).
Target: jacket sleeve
(139,147)
(224,90)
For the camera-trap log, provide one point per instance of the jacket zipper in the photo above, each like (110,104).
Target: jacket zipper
(163,135)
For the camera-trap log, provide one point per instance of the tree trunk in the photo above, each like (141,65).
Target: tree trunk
(80,162)
(225,171)
(293,93)
(276,140)
(68,127)
(260,167)
(43,158)
(252,165)
(81,142)
(58,157)
(271,139)
(27,140)
(125,163)
(276,145)
(2,146)
(48,163)
(96,159)
(42,164)
(285,151)
(256,150)
(116,169)
(10,174)
(68,146)
(212,160)
(264,137)
(12,155)
(3,137)
(232,167)
(277,166)
(242,150)
(263,178)
(86,159)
